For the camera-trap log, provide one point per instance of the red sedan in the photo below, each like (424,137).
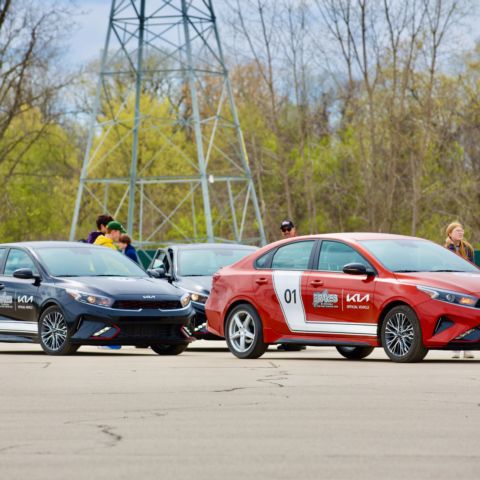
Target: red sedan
(354,291)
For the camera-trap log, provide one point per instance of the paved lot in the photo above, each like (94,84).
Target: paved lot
(206,415)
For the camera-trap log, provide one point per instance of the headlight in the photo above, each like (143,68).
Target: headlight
(196,297)
(455,298)
(90,298)
(185,300)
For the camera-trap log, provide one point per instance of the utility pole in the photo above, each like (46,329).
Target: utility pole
(165,151)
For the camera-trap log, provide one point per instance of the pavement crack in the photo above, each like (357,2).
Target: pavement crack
(275,379)
(229,389)
(115,438)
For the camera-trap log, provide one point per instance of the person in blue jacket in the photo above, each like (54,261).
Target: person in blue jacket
(125,245)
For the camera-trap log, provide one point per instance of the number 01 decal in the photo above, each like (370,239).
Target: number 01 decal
(290,295)
(288,289)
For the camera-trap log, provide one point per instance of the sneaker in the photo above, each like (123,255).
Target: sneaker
(468,355)
(456,355)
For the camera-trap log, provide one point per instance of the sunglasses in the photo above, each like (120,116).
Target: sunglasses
(288,229)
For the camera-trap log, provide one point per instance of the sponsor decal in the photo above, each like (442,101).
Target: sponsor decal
(357,301)
(146,297)
(25,302)
(6,301)
(325,300)
(25,299)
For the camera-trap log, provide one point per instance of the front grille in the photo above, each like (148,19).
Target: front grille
(147,304)
(149,331)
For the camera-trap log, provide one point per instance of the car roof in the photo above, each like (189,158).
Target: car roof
(205,246)
(365,236)
(48,243)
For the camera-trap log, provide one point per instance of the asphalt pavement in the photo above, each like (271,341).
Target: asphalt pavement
(131,414)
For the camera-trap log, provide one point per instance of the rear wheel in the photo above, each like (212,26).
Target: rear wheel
(53,333)
(169,349)
(244,332)
(402,336)
(354,353)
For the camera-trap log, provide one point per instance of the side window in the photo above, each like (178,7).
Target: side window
(335,255)
(294,256)
(264,260)
(18,259)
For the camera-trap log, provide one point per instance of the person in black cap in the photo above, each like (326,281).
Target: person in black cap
(288,229)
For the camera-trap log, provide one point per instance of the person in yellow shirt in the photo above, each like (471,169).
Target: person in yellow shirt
(114,230)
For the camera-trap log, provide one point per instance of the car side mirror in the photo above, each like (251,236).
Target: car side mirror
(357,269)
(157,272)
(27,274)
(24,273)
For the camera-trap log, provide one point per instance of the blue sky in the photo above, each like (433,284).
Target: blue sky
(91,20)
(88,36)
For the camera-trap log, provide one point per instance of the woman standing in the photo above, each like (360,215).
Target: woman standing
(462,248)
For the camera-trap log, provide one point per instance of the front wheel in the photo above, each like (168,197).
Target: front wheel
(169,349)
(53,333)
(402,336)
(354,353)
(244,332)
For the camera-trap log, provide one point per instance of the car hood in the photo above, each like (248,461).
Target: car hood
(195,284)
(121,286)
(464,282)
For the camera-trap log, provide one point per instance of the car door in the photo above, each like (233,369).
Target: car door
(340,303)
(20,303)
(6,302)
(279,280)
(162,260)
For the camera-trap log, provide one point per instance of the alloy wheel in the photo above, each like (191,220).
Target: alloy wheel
(242,331)
(54,330)
(399,334)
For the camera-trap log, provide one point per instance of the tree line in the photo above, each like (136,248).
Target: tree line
(358,115)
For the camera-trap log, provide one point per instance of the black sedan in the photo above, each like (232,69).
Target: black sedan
(65,294)
(191,267)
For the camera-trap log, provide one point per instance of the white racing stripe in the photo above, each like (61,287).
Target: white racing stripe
(18,326)
(288,288)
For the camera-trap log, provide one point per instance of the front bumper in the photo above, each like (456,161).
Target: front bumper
(446,326)
(93,325)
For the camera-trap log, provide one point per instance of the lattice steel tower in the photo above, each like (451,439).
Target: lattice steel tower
(165,152)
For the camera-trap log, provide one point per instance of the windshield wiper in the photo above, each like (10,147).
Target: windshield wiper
(405,271)
(446,270)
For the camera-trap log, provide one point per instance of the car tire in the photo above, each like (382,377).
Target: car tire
(244,332)
(162,349)
(401,336)
(53,333)
(354,353)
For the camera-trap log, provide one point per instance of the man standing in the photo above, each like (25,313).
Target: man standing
(113,231)
(288,229)
(102,222)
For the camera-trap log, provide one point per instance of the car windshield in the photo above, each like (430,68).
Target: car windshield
(87,261)
(205,262)
(405,255)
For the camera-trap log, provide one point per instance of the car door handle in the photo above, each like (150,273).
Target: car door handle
(261,281)
(316,283)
